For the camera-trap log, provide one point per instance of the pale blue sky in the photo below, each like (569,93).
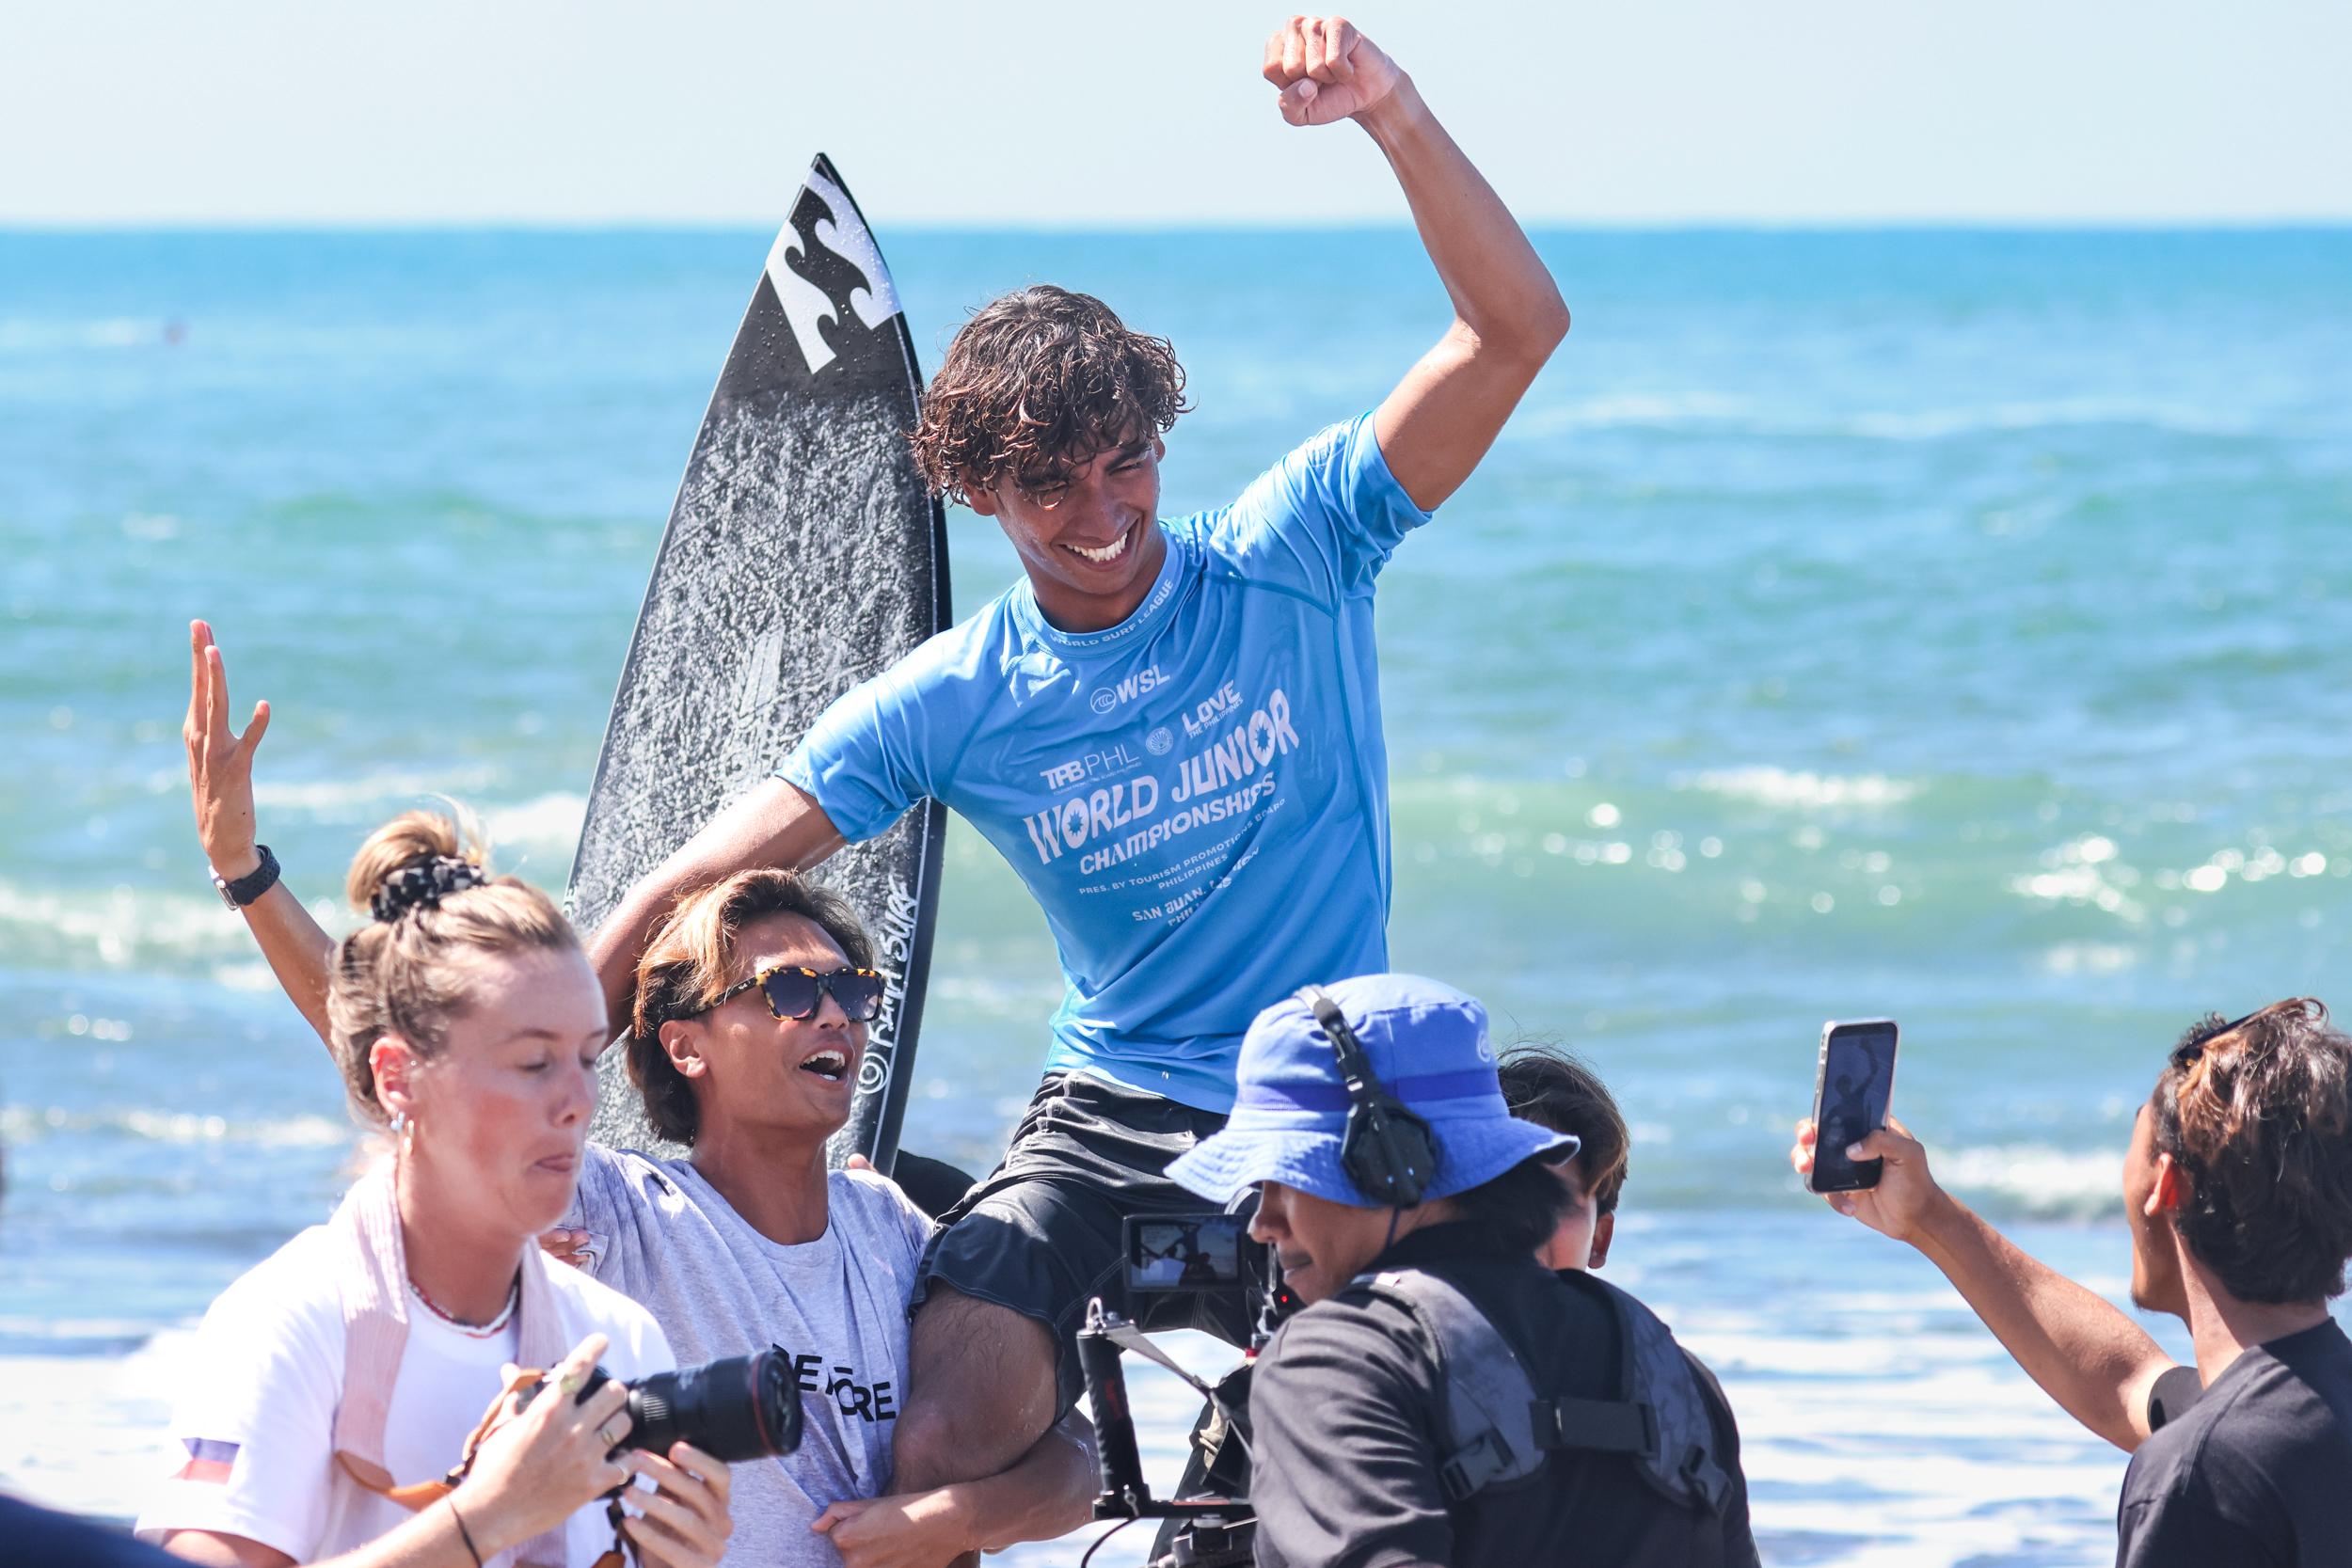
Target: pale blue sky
(1057,111)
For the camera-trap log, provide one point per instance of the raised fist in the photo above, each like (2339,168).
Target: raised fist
(1327,69)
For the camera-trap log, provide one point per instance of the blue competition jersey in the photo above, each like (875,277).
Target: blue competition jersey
(1197,796)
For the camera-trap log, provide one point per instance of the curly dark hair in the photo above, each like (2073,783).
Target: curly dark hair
(1037,384)
(2257,1115)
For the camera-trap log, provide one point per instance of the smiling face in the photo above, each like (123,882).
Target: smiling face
(501,1109)
(1088,535)
(751,1070)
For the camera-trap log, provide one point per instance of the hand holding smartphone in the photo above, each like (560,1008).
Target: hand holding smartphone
(1853,1086)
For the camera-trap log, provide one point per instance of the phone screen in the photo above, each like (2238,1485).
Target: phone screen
(1186,1252)
(1849,1099)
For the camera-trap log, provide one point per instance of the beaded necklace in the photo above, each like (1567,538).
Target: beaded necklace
(472,1331)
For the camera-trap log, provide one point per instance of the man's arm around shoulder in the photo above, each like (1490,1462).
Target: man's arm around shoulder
(773,824)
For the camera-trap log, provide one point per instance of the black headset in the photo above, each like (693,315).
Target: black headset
(1387,1151)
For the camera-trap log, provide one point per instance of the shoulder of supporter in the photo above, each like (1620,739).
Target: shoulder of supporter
(1350,1341)
(2183,1527)
(1323,521)
(259,1383)
(2193,1492)
(591,1307)
(1346,1449)
(880,1206)
(291,1300)
(895,736)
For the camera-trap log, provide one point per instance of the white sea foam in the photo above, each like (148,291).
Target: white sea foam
(1801,791)
(118,927)
(545,829)
(23,1124)
(2040,1179)
(1941,423)
(1634,410)
(339,796)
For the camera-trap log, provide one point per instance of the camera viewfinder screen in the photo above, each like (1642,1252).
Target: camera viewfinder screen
(1191,1252)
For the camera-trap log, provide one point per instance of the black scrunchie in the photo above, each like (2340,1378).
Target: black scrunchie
(422,886)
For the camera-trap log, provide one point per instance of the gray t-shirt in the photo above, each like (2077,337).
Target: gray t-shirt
(837,1305)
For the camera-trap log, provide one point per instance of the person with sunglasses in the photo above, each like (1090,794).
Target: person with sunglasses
(752,1002)
(2237,1192)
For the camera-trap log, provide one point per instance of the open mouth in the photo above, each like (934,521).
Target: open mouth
(830,1064)
(1103,555)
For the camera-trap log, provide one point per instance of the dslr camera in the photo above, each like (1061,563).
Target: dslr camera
(741,1407)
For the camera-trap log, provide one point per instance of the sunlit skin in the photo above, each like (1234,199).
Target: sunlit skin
(2151,1191)
(764,1114)
(1324,1245)
(1111,499)
(1581,1239)
(497,1120)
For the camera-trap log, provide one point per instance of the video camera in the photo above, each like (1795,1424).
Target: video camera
(1209,1523)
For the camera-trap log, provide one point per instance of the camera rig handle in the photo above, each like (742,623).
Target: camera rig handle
(1125,1495)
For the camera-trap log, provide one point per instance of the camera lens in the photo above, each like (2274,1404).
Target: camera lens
(743,1407)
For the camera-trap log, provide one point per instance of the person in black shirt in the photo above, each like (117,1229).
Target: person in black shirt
(1444,1398)
(2238,1191)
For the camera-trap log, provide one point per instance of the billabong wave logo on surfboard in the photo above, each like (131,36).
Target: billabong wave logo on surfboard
(834,232)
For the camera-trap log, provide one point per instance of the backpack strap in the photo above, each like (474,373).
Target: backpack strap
(1658,1375)
(1484,1388)
(1499,1429)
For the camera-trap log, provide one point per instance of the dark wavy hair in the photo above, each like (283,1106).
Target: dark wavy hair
(1557,1089)
(1035,385)
(1516,1210)
(690,959)
(2257,1115)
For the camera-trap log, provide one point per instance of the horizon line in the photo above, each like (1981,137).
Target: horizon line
(1821,225)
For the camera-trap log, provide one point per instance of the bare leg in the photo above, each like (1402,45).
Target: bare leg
(979,1386)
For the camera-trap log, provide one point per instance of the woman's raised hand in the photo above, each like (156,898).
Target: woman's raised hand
(540,1467)
(220,763)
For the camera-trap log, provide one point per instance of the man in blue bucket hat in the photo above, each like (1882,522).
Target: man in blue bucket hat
(1443,1398)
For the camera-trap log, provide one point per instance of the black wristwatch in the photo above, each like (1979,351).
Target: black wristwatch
(246,889)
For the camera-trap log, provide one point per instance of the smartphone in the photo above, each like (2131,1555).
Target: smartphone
(1187,1252)
(1851,1089)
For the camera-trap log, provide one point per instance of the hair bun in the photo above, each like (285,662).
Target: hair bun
(423,885)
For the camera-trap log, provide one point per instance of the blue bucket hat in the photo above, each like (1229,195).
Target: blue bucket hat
(1427,1043)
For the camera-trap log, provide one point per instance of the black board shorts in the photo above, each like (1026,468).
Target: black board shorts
(1042,1234)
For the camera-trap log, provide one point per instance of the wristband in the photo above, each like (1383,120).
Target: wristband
(464,1534)
(246,889)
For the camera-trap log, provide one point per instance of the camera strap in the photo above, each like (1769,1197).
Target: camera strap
(419,1495)
(371,1269)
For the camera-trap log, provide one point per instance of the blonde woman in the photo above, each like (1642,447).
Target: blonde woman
(335,1387)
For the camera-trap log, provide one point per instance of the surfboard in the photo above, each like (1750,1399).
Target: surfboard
(803,555)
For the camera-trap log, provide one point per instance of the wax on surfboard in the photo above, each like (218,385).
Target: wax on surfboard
(804,554)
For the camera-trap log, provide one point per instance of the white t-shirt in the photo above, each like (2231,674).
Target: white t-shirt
(837,1306)
(256,1412)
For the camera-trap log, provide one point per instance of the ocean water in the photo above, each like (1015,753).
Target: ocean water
(1948,625)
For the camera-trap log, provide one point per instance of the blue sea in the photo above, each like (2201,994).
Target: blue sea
(1947,625)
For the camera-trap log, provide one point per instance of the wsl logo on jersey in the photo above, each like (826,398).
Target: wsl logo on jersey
(1107,699)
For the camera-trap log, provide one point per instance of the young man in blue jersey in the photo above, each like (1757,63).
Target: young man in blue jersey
(1170,729)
